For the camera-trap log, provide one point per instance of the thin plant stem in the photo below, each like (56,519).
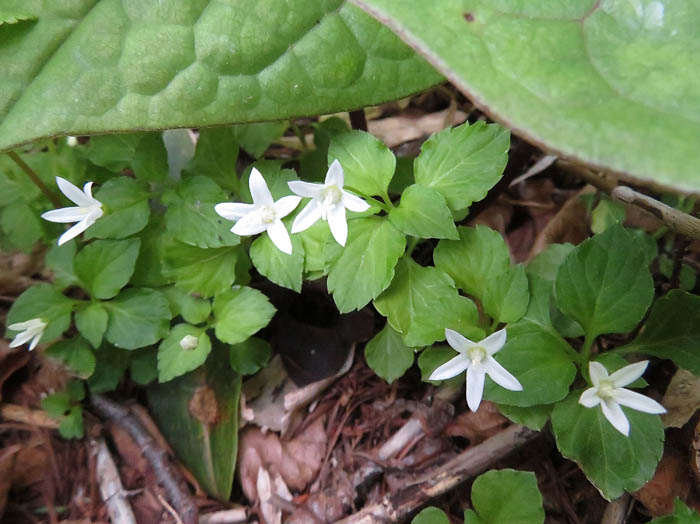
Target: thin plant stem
(34,178)
(412,243)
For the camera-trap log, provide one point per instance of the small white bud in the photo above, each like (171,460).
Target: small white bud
(189,342)
(72,141)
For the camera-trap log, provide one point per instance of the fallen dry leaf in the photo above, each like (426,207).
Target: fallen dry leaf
(297,460)
(682,399)
(477,426)
(671,480)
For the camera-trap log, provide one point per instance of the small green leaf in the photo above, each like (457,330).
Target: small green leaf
(463,162)
(60,259)
(606,214)
(198,415)
(256,138)
(365,267)
(126,211)
(546,264)
(250,356)
(279,267)
(111,365)
(46,302)
(682,514)
(215,157)
(137,318)
(314,241)
(76,354)
(191,218)
(506,496)
(174,360)
(194,310)
(605,284)
(479,254)
(114,151)
(422,301)
(368,164)
(149,265)
(387,354)
(21,225)
(672,331)
(431,515)
(196,270)
(507,295)
(423,213)
(13,16)
(150,163)
(143,365)
(533,417)
(75,390)
(105,266)
(72,424)
(613,462)
(240,313)
(56,405)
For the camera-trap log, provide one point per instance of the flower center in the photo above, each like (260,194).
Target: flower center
(267,214)
(606,389)
(476,354)
(331,196)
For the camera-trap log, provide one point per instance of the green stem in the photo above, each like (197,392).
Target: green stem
(587,345)
(34,178)
(411,245)
(387,200)
(377,203)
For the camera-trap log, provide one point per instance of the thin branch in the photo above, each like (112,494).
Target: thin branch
(616,511)
(111,487)
(35,178)
(227,516)
(168,477)
(398,505)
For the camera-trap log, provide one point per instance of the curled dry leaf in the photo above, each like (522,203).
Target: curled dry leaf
(682,399)
(296,460)
(479,425)
(671,480)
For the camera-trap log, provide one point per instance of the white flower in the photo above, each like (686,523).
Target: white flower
(30,330)
(328,202)
(476,358)
(85,213)
(607,391)
(189,342)
(264,214)
(72,141)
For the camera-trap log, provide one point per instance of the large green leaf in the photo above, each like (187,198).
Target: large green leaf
(610,82)
(505,496)
(93,67)
(198,414)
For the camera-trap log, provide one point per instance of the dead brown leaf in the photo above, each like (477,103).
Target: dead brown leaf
(671,480)
(296,460)
(477,426)
(682,399)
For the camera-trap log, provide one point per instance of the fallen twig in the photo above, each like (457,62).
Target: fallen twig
(405,501)
(617,511)
(227,516)
(168,477)
(111,487)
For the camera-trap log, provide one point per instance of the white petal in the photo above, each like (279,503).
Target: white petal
(354,203)
(613,412)
(66,215)
(457,341)
(335,175)
(258,189)
(21,326)
(87,189)
(338,224)
(35,340)
(306,189)
(75,231)
(73,193)
(280,237)
(21,338)
(494,342)
(597,372)
(637,401)
(589,398)
(233,210)
(286,205)
(451,368)
(307,217)
(475,387)
(251,224)
(500,375)
(628,374)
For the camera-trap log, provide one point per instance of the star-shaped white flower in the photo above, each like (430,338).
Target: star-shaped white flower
(264,214)
(30,330)
(85,213)
(476,358)
(328,202)
(608,392)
